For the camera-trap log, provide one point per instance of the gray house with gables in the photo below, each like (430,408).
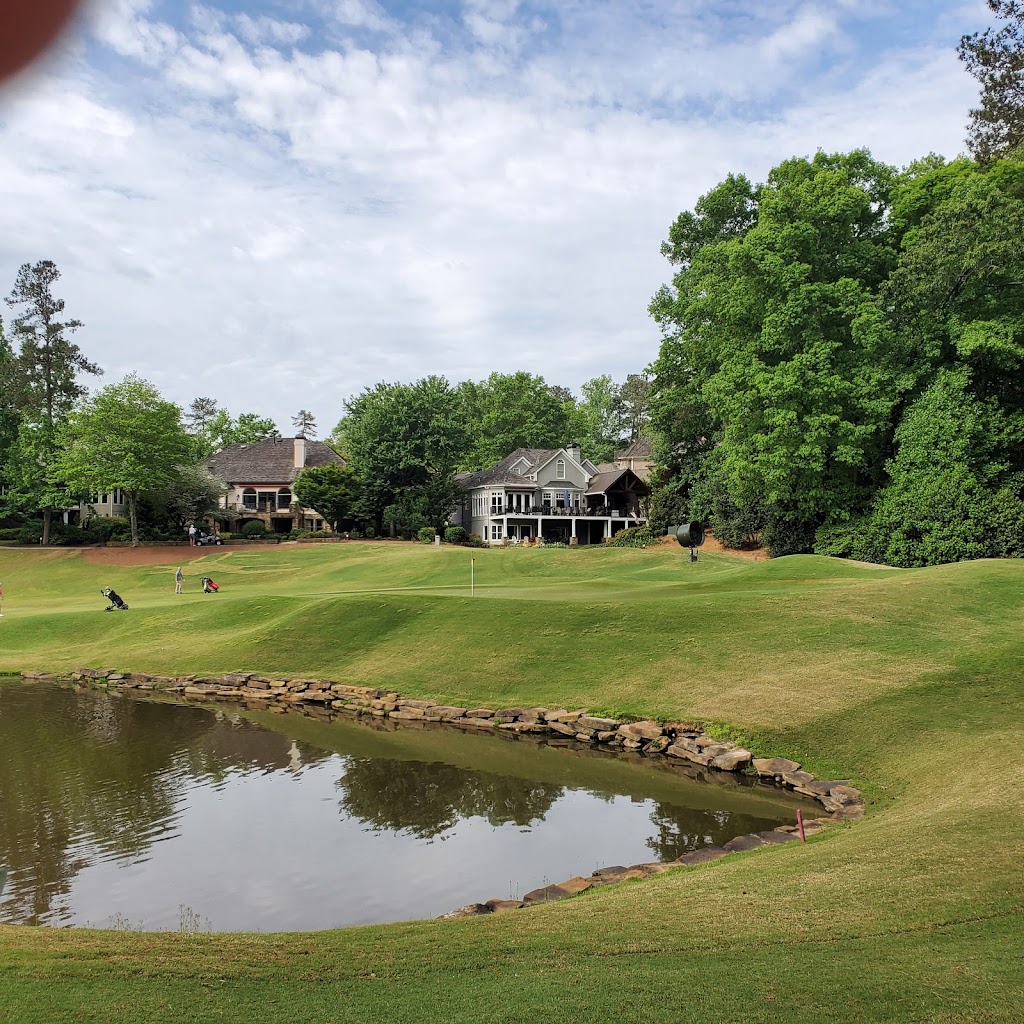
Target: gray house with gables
(550,493)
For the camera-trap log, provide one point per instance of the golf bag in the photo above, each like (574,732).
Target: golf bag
(116,603)
(209,587)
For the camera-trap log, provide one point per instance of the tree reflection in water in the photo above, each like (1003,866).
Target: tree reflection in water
(86,776)
(426,799)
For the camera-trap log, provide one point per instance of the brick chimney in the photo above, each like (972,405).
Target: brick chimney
(300,452)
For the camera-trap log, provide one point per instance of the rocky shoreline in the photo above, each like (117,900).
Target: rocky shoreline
(683,742)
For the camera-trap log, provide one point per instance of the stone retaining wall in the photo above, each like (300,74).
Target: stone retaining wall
(679,741)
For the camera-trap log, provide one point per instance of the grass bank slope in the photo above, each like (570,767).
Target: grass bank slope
(906,681)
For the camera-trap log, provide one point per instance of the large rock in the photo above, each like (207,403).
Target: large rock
(564,716)
(597,724)
(774,837)
(641,731)
(773,766)
(545,894)
(562,728)
(742,843)
(732,760)
(499,906)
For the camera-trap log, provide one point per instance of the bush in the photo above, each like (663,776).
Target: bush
(634,537)
(30,534)
(355,534)
(253,529)
(370,533)
(475,541)
(455,535)
(426,535)
(226,536)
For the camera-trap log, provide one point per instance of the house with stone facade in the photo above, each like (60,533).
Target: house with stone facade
(638,456)
(259,477)
(553,494)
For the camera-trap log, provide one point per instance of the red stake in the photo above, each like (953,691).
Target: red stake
(800,825)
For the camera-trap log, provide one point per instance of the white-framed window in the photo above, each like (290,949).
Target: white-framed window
(497,503)
(560,469)
(495,531)
(547,497)
(478,505)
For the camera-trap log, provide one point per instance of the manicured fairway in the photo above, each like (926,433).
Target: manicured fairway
(909,682)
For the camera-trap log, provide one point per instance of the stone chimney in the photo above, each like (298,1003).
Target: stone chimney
(573,450)
(300,452)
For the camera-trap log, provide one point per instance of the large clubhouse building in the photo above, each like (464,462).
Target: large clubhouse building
(550,493)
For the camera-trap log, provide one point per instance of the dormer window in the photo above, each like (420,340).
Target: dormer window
(560,469)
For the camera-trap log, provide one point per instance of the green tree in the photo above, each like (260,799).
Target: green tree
(995,58)
(252,427)
(598,422)
(9,416)
(305,423)
(332,490)
(126,436)
(635,404)
(404,442)
(775,345)
(509,411)
(191,494)
(45,375)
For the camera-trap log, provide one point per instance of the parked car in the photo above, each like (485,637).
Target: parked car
(202,537)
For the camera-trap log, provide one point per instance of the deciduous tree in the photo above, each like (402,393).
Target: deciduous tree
(124,436)
(332,490)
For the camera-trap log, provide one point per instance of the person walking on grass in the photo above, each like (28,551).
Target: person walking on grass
(1,600)
(178,580)
(192,534)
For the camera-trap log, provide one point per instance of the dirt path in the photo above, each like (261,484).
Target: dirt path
(713,546)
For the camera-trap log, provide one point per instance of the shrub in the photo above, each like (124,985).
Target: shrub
(475,541)
(370,533)
(254,528)
(634,537)
(226,536)
(455,535)
(355,534)
(30,534)
(426,535)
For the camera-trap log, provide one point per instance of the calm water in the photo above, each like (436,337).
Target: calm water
(132,813)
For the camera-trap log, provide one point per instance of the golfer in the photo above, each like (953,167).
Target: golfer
(178,580)
(1,600)
(192,534)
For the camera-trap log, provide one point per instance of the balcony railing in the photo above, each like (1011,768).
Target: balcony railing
(259,507)
(594,511)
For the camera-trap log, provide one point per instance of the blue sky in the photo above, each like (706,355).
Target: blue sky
(277,204)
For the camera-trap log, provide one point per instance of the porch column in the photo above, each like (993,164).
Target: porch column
(573,540)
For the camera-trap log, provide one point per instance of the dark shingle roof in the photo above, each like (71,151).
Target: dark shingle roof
(641,448)
(501,472)
(271,461)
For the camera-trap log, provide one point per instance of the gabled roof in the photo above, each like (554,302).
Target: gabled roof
(641,448)
(501,472)
(271,461)
(605,482)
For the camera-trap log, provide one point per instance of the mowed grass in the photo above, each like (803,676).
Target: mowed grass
(908,682)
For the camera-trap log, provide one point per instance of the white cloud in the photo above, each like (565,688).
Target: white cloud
(243,212)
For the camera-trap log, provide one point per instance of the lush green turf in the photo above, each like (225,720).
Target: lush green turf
(906,681)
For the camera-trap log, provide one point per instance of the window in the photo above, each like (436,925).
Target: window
(284,499)
(249,498)
(496,531)
(547,497)
(560,469)
(478,505)
(497,502)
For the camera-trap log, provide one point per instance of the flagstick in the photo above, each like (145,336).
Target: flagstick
(472,577)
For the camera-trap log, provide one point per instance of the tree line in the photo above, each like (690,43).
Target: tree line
(843,343)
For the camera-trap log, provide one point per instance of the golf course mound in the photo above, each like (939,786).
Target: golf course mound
(906,682)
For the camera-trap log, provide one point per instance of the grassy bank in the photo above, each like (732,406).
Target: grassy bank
(906,681)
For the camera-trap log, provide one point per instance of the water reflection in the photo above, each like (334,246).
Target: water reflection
(116,809)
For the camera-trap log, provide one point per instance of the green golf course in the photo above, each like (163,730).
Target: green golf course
(910,683)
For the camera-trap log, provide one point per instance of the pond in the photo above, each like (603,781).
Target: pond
(122,812)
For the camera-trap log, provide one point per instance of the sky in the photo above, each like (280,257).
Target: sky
(278,203)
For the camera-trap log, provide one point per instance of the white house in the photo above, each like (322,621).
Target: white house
(551,493)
